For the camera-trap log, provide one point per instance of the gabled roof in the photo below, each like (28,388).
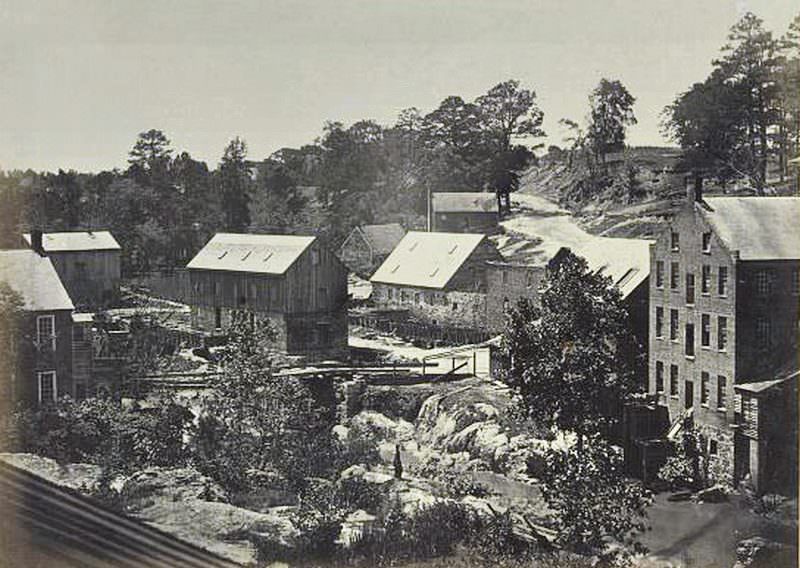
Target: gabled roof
(760,228)
(625,261)
(383,238)
(464,202)
(265,254)
(77,241)
(34,278)
(428,260)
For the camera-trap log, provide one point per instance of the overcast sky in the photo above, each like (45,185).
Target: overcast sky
(80,79)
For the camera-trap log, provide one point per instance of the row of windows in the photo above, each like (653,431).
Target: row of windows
(705,245)
(705,387)
(705,330)
(705,280)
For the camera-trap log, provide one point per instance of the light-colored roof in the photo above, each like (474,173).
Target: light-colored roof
(266,254)
(427,260)
(83,317)
(760,228)
(34,278)
(464,202)
(383,238)
(762,386)
(77,241)
(625,261)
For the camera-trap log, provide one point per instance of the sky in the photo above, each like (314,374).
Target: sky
(79,79)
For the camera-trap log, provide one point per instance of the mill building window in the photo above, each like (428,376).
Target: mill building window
(705,379)
(48,391)
(673,325)
(659,274)
(46,332)
(659,377)
(722,392)
(673,380)
(705,330)
(707,243)
(689,288)
(763,283)
(689,340)
(675,243)
(674,275)
(659,322)
(722,281)
(705,281)
(722,333)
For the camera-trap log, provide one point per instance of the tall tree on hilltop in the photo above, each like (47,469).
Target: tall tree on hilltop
(749,63)
(788,82)
(509,113)
(150,155)
(574,360)
(234,185)
(611,112)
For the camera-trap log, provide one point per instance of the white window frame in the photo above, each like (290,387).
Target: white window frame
(52,319)
(54,384)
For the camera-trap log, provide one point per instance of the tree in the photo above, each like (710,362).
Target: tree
(611,112)
(509,113)
(11,313)
(592,497)
(150,153)
(254,422)
(573,361)
(234,184)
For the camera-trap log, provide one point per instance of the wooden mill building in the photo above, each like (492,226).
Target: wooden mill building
(87,262)
(366,247)
(464,212)
(291,281)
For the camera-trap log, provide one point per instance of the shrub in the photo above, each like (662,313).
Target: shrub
(356,493)
(393,402)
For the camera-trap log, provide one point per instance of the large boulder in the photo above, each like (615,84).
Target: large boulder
(758,552)
(82,477)
(173,483)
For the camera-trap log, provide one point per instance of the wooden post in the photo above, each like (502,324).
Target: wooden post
(474,362)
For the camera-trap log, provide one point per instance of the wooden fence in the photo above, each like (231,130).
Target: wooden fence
(413,330)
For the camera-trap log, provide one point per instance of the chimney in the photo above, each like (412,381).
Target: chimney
(694,188)
(36,242)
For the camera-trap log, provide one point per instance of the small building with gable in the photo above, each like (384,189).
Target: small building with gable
(366,247)
(292,281)
(439,278)
(87,262)
(465,212)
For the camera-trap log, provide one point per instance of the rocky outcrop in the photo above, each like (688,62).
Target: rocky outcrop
(81,477)
(758,552)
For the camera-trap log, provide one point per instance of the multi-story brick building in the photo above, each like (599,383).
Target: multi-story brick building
(292,281)
(724,285)
(506,284)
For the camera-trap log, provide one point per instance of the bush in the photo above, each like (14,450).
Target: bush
(356,493)
(393,402)
(360,447)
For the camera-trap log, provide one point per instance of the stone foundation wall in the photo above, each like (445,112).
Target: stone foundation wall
(718,466)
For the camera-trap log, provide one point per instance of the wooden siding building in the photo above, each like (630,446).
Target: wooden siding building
(38,349)
(464,212)
(292,281)
(724,300)
(366,247)
(87,262)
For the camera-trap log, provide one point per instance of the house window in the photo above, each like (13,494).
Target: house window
(659,322)
(705,379)
(722,333)
(674,275)
(707,243)
(722,281)
(46,332)
(689,288)
(659,274)
(705,330)
(705,282)
(47,387)
(763,283)
(673,380)
(673,325)
(763,332)
(689,340)
(659,377)
(722,392)
(796,281)
(675,243)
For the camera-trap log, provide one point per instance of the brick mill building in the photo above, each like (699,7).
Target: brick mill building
(292,281)
(724,287)
(439,278)
(87,262)
(366,247)
(37,351)
(464,212)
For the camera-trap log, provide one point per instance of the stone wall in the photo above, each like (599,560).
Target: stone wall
(454,308)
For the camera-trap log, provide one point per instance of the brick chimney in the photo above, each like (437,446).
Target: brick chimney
(36,242)
(694,188)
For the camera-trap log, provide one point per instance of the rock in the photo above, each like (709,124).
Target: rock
(82,477)
(175,483)
(361,472)
(758,552)
(383,427)
(714,494)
